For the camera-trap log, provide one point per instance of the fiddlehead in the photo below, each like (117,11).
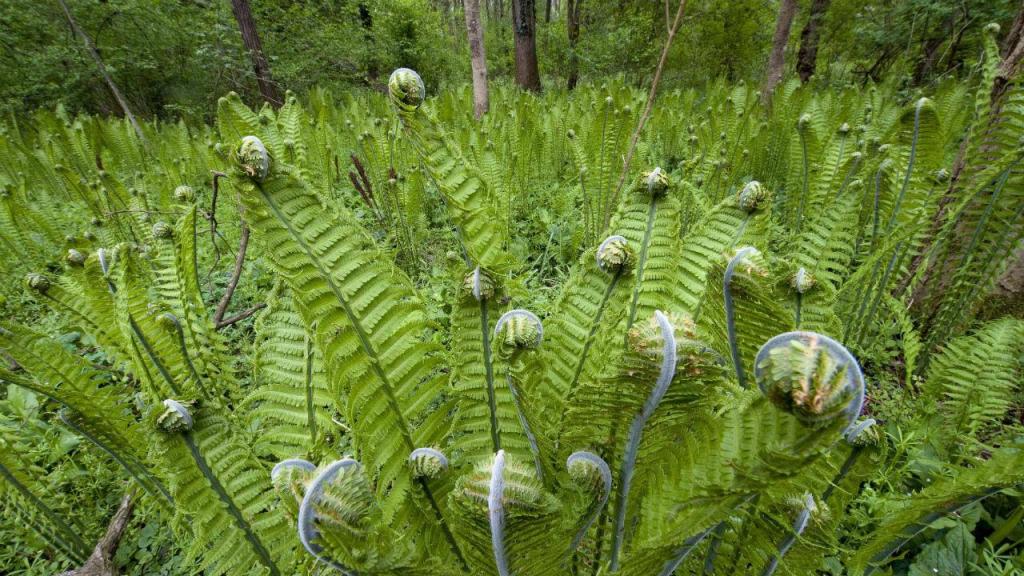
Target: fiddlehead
(668,369)
(590,472)
(810,376)
(519,330)
(428,462)
(308,515)
(175,418)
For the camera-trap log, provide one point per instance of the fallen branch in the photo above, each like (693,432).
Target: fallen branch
(101,562)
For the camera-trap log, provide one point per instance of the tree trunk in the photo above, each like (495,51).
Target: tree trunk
(366,21)
(807,57)
(251,40)
(777,59)
(572,19)
(547,11)
(91,49)
(477,58)
(524,27)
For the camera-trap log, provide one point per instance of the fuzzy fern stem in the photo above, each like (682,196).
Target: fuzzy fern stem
(496,512)
(730,312)
(668,370)
(799,525)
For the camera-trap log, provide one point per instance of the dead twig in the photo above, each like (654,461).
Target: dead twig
(241,316)
(222,306)
(650,105)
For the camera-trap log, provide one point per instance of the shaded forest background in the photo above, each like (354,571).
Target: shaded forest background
(174,58)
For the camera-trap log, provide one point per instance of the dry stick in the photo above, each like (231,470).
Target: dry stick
(647,109)
(213,206)
(222,306)
(91,49)
(241,316)
(101,562)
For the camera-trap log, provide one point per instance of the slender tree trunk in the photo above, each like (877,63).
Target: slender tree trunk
(572,20)
(807,57)
(777,59)
(524,26)
(366,21)
(91,49)
(547,11)
(477,58)
(251,39)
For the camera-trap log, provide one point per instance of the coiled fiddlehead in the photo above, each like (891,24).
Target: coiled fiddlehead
(752,196)
(613,255)
(668,370)
(589,470)
(428,462)
(518,330)
(252,158)
(480,284)
(175,417)
(810,376)
(406,89)
(308,516)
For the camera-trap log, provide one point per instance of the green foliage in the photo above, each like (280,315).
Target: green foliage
(434,389)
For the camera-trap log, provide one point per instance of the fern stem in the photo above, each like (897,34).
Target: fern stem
(76,546)
(716,541)
(153,356)
(730,314)
(530,437)
(307,513)
(308,382)
(492,402)
(798,528)
(149,483)
(806,177)
(924,522)
(651,212)
(594,326)
(910,165)
(668,369)
(496,513)
(229,503)
(684,551)
(180,332)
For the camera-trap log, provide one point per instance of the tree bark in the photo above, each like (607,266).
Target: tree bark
(547,11)
(777,59)
(91,49)
(572,20)
(524,27)
(477,58)
(251,39)
(807,57)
